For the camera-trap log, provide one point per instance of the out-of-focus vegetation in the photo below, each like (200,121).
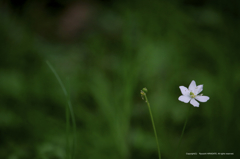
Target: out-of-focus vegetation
(106,52)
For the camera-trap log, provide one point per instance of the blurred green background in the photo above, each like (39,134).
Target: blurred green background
(106,52)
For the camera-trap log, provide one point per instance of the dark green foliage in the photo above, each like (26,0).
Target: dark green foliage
(124,47)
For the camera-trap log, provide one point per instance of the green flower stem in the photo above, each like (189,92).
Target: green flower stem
(155,132)
(189,110)
(69,112)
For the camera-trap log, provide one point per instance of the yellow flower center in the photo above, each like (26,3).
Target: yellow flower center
(192,95)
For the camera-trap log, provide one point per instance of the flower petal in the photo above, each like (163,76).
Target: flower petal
(192,86)
(194,102)
(184,90)
(199,89)
(202,98)
(184,99)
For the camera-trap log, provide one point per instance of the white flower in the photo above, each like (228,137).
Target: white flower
(191,94)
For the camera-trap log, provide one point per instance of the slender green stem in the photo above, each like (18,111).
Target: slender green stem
(69,108)
(155,132)
(189,110)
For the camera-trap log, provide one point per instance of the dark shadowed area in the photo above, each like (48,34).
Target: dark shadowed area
(105,52)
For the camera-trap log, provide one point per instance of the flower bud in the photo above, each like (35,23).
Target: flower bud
(145,89)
